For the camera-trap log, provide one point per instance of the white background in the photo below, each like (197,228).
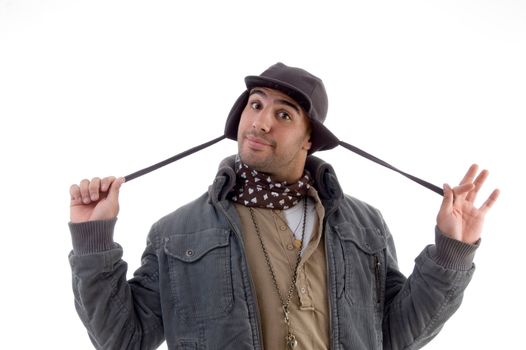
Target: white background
(108,87)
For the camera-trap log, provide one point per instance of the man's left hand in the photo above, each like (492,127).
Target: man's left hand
(458,217)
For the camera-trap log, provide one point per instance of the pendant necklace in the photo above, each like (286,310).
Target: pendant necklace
(290,338)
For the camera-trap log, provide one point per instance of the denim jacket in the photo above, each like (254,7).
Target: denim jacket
(194,289)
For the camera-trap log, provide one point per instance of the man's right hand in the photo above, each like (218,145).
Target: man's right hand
(95,200)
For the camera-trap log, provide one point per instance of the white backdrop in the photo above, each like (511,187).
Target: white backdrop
(108,87)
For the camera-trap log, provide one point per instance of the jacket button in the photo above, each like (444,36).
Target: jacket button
(189,252)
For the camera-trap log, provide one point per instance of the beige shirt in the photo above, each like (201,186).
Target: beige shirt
(309,313)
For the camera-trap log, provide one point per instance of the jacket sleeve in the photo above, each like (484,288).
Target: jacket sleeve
(118,314)
(416,308)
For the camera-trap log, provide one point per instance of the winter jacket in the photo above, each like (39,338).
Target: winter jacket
(194,289)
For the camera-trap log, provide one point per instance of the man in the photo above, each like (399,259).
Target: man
(274,255)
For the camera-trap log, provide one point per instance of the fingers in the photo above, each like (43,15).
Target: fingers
(470,175)
(461,190)
(106,182)
(479,181)
(490,201)
(114,188)
(88,191)
(84,191)
(93,189)
(470,186)
(449,197)
(74,192)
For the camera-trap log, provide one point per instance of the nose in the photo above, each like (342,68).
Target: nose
(263,121)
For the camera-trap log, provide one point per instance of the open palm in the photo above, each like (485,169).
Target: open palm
(458,217)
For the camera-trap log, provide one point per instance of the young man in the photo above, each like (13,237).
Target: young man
(274,255)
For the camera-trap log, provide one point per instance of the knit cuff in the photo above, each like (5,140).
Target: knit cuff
(453,254)
(92,236)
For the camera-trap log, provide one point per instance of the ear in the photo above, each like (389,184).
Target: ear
(307,144)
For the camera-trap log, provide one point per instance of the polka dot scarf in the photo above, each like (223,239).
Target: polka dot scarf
(255,189)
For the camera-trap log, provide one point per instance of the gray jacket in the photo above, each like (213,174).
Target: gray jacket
(194,288)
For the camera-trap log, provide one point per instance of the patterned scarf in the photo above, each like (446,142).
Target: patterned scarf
(255,189)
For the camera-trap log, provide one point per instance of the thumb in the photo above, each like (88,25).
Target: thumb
(449,197)
(445,208)
(115,186)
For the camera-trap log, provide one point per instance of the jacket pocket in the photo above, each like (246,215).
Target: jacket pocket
(186,345)
(200,273)
(364,259)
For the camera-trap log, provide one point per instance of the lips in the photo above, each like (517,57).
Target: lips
(257,143)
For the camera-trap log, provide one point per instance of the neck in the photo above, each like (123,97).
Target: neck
(257,189)
(290,179)
(285,176)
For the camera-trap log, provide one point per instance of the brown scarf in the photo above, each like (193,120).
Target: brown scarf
(256,189)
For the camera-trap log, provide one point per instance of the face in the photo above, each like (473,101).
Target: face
(273,135)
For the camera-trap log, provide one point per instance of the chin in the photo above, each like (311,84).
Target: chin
(254,162)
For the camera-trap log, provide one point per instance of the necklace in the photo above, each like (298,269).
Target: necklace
(290,339)
(296,240)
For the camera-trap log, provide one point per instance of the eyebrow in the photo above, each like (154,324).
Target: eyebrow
(280,100)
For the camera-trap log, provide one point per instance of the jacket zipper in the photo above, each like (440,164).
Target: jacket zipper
(252,287)
(332,339)
(377,276)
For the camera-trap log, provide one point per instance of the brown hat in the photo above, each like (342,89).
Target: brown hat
(302,87)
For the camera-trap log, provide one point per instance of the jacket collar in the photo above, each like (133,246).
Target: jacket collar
(325,180)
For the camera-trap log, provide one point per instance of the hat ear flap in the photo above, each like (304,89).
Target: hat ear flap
(234,116)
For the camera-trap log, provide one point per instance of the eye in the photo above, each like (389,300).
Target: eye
(284,115)
(255,105)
